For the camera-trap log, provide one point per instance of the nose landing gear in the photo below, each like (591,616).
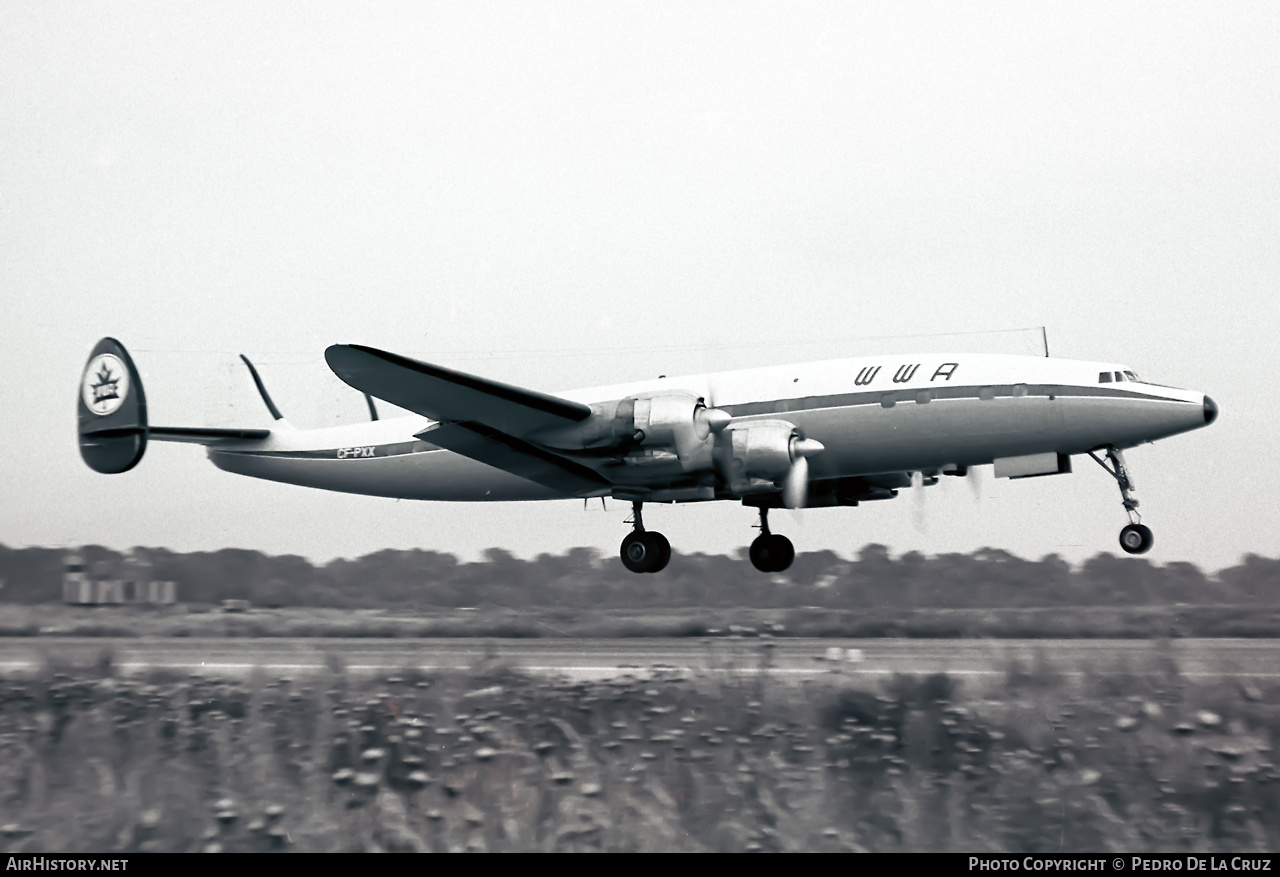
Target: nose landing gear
(644,550)
(1136,538)
(770,552)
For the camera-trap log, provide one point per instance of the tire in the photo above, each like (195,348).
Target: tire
(759,553)
(661,550)
(784,552)
(772,553)
(638,552)
(1136,539)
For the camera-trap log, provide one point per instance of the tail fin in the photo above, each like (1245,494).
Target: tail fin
(112,410)
(262,390)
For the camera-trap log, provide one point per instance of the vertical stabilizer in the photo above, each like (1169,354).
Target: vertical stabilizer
(112,410)
(262,390)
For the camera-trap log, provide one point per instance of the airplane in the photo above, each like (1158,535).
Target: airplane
(817,434)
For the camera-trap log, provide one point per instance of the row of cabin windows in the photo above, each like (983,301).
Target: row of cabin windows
(888,400)
(1126,375)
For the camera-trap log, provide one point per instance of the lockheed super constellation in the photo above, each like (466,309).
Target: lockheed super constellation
(833,433)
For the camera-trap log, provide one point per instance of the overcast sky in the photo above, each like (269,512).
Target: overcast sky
(567,194)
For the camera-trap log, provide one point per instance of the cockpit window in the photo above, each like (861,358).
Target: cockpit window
(1104,377)
(1119,376)
(1131,376)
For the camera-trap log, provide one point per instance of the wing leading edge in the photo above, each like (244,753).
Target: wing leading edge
(484,420)
(450,396)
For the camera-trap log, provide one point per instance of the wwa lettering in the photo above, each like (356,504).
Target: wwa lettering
(904,373)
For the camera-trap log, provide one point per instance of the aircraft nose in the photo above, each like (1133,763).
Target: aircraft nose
(1210,410)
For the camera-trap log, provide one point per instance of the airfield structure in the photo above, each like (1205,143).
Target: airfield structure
(113,582)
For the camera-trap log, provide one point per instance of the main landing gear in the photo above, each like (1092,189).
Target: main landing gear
(1136,538)
(644,550)
(771,552)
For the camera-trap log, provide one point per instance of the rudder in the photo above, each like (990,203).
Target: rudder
(112,410)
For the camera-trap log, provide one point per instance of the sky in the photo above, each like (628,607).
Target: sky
(563,194)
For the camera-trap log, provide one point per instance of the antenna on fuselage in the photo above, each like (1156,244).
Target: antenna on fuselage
(1044,338)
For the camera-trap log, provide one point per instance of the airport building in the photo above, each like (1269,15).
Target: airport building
(113,582)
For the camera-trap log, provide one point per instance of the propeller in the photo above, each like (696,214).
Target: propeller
(975,482)
(795,489)
(917,502)
(709,420)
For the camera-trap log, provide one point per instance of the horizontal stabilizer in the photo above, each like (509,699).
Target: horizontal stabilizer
(450,396)
(195,434)
(206,435)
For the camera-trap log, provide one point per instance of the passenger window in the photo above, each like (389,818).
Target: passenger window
(986,394)
(1104,377)
(923,397)
(888,400)
(1019,389)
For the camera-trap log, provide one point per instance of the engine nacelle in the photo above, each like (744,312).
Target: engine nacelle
(609,426)
(754,457)
(665,430)
(671,421)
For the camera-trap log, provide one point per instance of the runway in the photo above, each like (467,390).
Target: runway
(595,659)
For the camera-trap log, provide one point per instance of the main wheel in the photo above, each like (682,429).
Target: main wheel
(784,553)
(772,553)
(638,552)
(662,550)
(1137,539)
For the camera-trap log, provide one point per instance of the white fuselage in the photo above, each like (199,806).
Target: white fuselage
(873,415)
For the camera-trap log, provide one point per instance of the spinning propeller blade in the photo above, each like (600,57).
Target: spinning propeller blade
(975,482)
(795,489)
(918,519)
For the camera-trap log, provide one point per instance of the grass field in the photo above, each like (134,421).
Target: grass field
(490,760)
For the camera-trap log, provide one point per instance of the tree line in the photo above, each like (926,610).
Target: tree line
(583,578)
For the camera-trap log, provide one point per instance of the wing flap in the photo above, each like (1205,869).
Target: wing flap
(510,454)
(450,396)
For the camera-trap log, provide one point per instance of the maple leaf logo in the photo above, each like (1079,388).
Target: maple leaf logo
(106,386)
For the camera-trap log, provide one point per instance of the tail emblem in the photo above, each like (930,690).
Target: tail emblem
(105,384)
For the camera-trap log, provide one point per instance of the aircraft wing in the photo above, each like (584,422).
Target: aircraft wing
(450,396)
(478,418)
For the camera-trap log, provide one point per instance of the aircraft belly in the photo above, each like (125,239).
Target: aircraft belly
(431,475)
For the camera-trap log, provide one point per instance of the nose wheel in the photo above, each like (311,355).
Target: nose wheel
(770,552)
(644,550)
(1136,538)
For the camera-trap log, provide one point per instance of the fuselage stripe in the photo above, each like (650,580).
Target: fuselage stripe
(908,394)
